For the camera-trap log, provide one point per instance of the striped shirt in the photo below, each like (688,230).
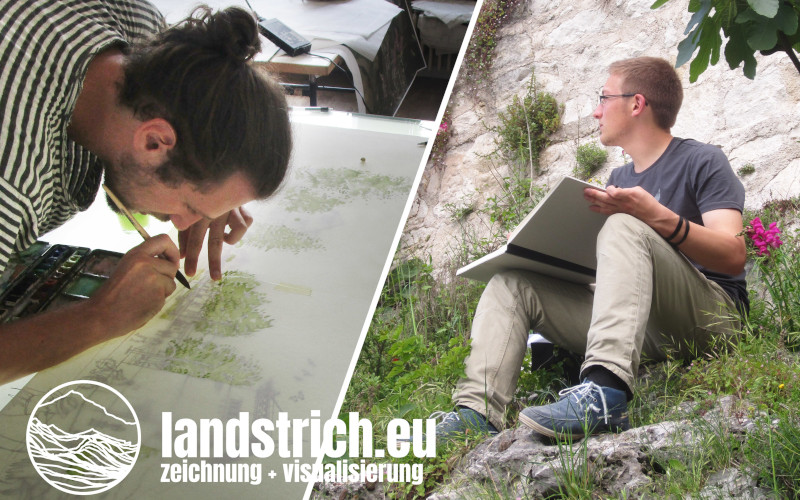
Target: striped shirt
(45,49)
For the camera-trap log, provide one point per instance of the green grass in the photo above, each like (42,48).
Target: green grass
(775,452)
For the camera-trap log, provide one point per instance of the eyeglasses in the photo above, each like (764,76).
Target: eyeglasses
(604,97)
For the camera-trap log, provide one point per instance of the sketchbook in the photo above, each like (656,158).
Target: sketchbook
(557,238)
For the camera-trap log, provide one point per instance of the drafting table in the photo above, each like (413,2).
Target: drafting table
(312,67)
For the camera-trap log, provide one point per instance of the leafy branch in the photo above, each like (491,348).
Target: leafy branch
(766,26)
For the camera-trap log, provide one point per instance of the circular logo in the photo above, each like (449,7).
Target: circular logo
(83,437)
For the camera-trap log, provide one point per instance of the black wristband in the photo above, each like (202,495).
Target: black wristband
(677,229)
(685,234)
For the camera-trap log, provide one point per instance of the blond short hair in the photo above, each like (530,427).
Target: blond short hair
(657,80)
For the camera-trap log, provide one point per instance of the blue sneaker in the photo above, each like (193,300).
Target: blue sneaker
(583,409)
(461,422)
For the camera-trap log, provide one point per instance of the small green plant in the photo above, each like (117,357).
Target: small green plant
(411,359)
(576,473)
(766,380)
(525,127)
(775,453)
(684,469)
(516,199)
(590,158)
(522,133)
(416,345)
(459,211)
(500,215)
(746,169)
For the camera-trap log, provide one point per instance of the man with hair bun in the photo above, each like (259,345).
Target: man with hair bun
(670,272)
(180,123)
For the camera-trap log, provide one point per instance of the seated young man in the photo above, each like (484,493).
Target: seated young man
(670,272)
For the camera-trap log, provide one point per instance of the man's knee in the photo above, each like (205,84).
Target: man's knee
(621,223)
(509,287)
(621,227)
(505,279)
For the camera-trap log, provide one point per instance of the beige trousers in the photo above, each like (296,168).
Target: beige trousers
(649,301)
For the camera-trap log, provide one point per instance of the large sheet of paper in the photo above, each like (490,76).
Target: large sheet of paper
(557,238)
(277,334)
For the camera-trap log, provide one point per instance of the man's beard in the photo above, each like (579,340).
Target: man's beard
(124,177)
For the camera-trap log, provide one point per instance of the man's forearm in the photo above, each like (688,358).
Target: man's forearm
(44,340)
(714,244)
(134,293)
(717,248)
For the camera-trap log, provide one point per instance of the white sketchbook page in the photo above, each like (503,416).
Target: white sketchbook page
(560,226)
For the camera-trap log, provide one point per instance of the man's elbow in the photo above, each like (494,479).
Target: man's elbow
(734,269)
(735,262)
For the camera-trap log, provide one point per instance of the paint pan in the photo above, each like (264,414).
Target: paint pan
(21,262)
(55,272)
(17,296)
(61,275)
(102,263)
(84,285)
(33,289)
(26,283)
(88,276)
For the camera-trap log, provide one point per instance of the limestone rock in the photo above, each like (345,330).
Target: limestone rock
(616,465)
(567,46)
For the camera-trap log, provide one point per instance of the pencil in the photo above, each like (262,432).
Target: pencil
(179,276)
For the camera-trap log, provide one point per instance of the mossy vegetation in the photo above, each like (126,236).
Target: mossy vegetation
(478,59)
(590,158)
(525,127)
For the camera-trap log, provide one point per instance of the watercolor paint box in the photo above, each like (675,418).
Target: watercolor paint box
(52,277)
(20,262)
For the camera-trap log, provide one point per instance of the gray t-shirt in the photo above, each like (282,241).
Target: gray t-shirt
(692,178)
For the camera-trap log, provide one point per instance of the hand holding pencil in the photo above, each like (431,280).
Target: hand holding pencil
(142,232)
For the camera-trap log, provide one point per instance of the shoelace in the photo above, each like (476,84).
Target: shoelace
(445,416)
(582,392)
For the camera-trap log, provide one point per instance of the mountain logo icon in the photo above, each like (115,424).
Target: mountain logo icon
(83,437)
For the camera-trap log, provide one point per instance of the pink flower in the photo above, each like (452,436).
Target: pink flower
(443,127)
(764,239)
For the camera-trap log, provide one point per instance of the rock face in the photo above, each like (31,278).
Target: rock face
(568,46)
(530,466)
(518,463)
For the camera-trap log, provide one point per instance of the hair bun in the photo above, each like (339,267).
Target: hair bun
(233,32)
